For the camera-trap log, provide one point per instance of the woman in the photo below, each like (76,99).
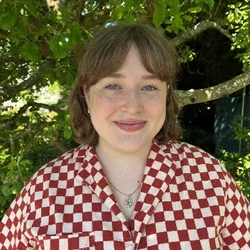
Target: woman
(130,185)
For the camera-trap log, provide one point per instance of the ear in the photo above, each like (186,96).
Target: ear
(86,95)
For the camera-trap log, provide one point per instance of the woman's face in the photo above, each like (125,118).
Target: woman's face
(128,108)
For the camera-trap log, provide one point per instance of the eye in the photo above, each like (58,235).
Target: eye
(149,88)
(113,87)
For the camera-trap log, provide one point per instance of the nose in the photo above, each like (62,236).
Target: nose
(132,102)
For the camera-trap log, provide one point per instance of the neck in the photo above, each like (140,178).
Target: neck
(125,171)
(122,159)
(121,166)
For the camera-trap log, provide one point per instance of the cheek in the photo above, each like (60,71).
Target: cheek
(156,104)
(103,103)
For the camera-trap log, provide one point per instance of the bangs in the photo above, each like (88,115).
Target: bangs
(157,56)
(107,52)
(102,62)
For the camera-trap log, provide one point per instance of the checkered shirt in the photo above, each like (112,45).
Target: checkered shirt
(187,201)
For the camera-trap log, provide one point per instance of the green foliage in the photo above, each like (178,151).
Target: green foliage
(238,16)
(159,14)
(7,20)
(30,52)
(238,164)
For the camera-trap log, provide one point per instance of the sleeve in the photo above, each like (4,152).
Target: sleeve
(12,225)
(236,234)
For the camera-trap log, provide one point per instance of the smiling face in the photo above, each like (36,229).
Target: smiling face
(128,108)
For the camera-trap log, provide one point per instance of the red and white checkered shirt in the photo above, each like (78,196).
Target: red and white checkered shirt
(187,201)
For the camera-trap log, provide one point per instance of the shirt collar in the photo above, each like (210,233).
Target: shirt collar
(86,155)
(159,171)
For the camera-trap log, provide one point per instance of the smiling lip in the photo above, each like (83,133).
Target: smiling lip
(130,125)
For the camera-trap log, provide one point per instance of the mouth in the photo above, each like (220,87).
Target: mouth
(130,125)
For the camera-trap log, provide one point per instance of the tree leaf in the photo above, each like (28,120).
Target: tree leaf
(67,132)
(159,14)
(187,17)
(178,23)
(21,30)
(7,20)
(31,7)
(129,18)
(16,188)
(195,9)
(25,163)
(175,7)
(30,52)
(210,3)
(128,4)
(42,31)
(74,36)
(58,46)
(6,190)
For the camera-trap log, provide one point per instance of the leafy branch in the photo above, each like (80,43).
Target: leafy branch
(9,91)
(191,33)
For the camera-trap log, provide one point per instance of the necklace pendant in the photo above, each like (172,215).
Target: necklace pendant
(128,202)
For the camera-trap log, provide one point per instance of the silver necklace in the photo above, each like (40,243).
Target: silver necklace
(128,202)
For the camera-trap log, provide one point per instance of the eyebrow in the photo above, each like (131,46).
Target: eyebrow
(145,77)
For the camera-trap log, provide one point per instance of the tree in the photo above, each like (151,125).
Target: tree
(42,41)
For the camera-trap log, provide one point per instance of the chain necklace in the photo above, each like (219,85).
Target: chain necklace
(128,202)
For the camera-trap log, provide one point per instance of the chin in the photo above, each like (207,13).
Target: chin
(133,147)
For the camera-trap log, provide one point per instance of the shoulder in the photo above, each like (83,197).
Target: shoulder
(63,167)
(57,173)
(196,167)
(190,159)
(71,156)
(183,150)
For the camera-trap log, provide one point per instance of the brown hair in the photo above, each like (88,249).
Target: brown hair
(104,56)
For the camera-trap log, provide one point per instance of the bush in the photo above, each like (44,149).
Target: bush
(238,164)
